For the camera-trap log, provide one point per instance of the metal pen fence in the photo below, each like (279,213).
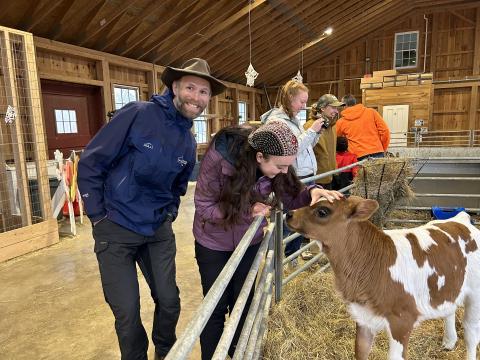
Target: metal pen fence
(437,138)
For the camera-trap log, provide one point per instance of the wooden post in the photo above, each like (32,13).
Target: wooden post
(434,42)
(38,128)
(252,111)
(8,67)
(472,113)
(103,74)
(235,105)
(216,111)
(476,52)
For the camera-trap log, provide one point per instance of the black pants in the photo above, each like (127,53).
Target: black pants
(118,250)
(210,263)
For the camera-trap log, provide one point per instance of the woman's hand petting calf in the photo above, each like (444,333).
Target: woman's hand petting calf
(331,195)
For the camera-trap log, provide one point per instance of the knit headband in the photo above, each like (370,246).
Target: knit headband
(274,138)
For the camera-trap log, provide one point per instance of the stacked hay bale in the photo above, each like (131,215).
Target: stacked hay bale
(311,322)
(384,180)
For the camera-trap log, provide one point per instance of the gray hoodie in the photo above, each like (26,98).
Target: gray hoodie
(305,163)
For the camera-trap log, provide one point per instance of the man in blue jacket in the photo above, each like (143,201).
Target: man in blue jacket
(131,176)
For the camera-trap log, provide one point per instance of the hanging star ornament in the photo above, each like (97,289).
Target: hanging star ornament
(251,75)
(10,115)
(298,77)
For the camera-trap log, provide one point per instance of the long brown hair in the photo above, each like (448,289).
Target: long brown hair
(289,90)
(238,192)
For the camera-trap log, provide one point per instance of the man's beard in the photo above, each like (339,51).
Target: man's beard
(188,110)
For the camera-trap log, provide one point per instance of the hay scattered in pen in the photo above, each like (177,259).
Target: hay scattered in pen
(384,180)
(311,322)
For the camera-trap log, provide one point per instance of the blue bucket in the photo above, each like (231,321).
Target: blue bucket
(443,213)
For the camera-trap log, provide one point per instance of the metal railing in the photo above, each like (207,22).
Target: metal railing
(447,138)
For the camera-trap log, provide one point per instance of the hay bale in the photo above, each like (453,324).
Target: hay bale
(311,322)
(384,180)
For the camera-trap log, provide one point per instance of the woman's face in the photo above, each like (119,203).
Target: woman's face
(272,165)
(298,102)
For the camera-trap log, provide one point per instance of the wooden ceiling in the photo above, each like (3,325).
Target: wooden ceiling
(167,32)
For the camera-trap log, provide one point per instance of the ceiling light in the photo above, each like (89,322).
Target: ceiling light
(328,31)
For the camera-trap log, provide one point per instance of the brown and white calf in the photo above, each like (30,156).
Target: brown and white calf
(392,280)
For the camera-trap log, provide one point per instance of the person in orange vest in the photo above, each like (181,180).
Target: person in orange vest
(367,133)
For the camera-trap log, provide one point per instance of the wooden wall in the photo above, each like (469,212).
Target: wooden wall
(418,98)
(69,63)
(452,54)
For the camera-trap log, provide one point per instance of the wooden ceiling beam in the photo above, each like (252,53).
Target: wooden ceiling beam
(74,18)
(115,37)
(99,27)
(258,36)
(127,48)
(281,40)
(391,13)
(189,26)
(461,17)
(213,30)
(325,45)
(39,14)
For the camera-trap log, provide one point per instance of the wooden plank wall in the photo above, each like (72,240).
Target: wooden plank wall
(69,63)
(453,55)
(417,97)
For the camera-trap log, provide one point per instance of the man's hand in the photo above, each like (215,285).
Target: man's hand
(331,195)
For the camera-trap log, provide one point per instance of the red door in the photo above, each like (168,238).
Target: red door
(73,114)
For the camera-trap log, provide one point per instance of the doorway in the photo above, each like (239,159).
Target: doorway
(396,117)
(73,115)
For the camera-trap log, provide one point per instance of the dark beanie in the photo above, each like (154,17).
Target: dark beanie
(274,138)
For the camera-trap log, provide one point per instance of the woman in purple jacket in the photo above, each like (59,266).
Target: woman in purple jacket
(241,167)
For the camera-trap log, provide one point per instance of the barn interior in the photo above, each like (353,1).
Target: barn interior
(67,66)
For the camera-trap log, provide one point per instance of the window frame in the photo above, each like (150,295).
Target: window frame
(124,87)
(63,121)
(202,118)
(246,111)
(395,49)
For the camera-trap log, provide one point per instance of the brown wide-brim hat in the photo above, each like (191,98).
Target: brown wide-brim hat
(196,67)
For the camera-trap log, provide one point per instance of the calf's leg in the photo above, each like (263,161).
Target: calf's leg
(471,326)
(363,342)
(449,334)
(399,333)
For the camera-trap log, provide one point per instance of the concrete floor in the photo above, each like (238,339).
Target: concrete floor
(52,305)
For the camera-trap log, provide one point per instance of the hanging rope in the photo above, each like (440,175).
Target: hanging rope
(250,74)
(299,76)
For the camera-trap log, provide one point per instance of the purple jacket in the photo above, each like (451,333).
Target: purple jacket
(206,228)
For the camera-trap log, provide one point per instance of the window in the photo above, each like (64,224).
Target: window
(122,95)
(302,115)
(406,50)
(200,127)
(66,121)
(242,112)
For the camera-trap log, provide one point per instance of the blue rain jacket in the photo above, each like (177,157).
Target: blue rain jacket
(137,166)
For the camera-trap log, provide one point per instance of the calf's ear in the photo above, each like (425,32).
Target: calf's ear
(364,209)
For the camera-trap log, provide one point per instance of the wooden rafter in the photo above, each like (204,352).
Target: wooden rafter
(340,39)
(277,38)
(188,26)
(130,28)
(74,17)
(218,28)
(154,28)
(115,15)
(460,16)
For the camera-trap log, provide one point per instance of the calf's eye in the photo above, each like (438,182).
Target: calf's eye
(323,211)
